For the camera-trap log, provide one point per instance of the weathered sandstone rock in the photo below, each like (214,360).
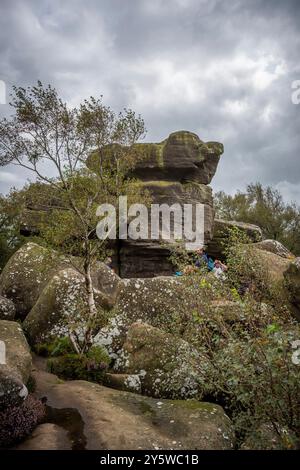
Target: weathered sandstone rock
(15,365)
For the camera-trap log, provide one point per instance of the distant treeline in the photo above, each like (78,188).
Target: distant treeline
(263,206)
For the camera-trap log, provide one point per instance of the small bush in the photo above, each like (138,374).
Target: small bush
(91,366)
(258,382)
(18,422)
(59,347)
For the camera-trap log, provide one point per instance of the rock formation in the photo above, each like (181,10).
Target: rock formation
(176,170)
(15,372)
(221,230)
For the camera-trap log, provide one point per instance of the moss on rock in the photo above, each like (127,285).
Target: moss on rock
(167,365)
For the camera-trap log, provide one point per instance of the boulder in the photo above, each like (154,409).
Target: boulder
(221,229)
(176,170)
(148,258)
(274,246)
(275,265)
(7,309)
(25,275)
(168,366)
(15,364)
(31,268)
(292,282)
(164,302)
(105,280)
(121,420)
(125,382)
(158,301)
(181,157)
(60,306)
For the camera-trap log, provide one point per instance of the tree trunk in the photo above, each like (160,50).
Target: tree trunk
(91,305)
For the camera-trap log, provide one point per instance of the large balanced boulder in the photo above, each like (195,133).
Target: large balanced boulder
(177,170)
(15,364)
(7,309)
(221,231)
(61,306)
(167,365)
(182,157)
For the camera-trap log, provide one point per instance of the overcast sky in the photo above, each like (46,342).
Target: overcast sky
(220,68)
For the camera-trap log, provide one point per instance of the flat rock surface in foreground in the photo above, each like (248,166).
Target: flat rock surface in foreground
(122,420)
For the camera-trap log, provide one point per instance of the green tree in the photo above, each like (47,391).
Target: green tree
(10,212)
(265,207)
(47,137)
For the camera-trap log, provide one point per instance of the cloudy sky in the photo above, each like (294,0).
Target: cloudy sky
(220,68)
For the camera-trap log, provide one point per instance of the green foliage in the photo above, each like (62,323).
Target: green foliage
(10,211)
(43,130)
(90,366)
(259,383)
(248,273)
(266,208)
(246,335)
(59,347)
(245,271)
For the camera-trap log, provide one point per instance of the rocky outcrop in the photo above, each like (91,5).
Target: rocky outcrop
(15,365)
(61,306)
(274,246)
(274,265)
(25,275)
(159,301)
(115,419)
(221,230)
(177,170)
(168,366)
(29,271)
(7,309)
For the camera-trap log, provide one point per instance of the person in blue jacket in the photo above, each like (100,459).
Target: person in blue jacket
(204,259)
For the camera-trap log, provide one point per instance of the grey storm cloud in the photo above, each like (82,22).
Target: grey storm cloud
(220,68)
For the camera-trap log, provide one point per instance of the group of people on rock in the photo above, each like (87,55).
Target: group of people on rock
(203,260)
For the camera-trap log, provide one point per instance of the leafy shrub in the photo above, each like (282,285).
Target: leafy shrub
(258,383)
(18,422)
(90,366)
(59,347)
(242,325)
